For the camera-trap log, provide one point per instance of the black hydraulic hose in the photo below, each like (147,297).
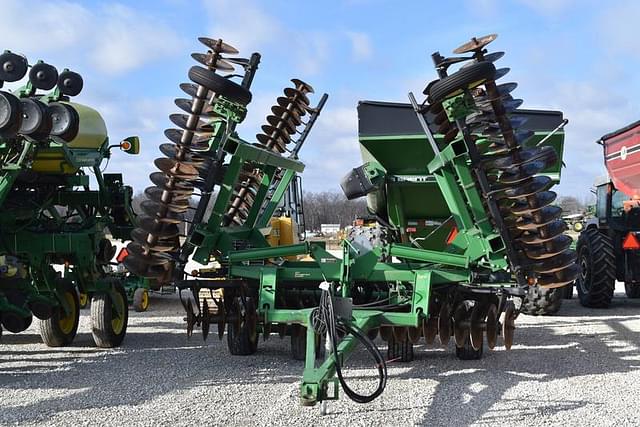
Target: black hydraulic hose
(326,306)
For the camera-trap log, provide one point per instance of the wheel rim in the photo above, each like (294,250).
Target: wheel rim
(66,322)
(117,322)
(82,297)
(145,300)
(584,272)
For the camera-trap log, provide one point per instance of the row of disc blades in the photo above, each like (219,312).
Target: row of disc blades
(514,172)
(282,125)
(186,160)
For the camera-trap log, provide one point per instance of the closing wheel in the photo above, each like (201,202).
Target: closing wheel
(60,329)
(141,299)
(242,334)
(109,317)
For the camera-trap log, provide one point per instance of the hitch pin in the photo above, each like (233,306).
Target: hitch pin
(553,132)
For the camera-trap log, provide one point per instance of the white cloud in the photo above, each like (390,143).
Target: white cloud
(243,24)
(115,39)
(549,8)
(361,47)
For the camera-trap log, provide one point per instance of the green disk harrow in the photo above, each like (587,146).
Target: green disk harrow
(459,187)
(49,215)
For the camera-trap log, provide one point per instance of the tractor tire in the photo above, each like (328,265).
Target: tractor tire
(467,352)
(59,330)
(242,339)
(220,85)
(596,258)
(399,351)
(298,342)
(369,237)
(463,79)
(107,328)
(632,290)
(540,301)
(141,299)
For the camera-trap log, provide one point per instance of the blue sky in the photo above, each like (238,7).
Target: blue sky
(576,56)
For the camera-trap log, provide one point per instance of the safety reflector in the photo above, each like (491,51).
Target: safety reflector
(631,242)
(452,235)
(122,254)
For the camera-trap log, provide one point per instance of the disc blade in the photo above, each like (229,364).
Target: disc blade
(217,45)
(212,61)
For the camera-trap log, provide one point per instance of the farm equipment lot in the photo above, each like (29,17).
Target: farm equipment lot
(581,365)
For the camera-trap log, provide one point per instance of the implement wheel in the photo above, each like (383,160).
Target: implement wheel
(597,261)
(220,85)
(60,329)
(463,79)
(141,299)
(467,352)
(107,326)
(242,334)
(541,301)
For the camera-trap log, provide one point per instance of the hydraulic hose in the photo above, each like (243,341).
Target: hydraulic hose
(328,319)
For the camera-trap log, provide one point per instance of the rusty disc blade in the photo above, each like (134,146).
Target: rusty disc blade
(296,96)
(195,141)
(492,326)
(444,324)
(222,319)
(177,169)
(191,319)
(476,326)
(217,45)
(136,265)
(476,43)
(186,105)
(303,86)
(286,103)
(386,332)
(212,61)
(191,89)
(289,114)
(276,132)
(279,122)
(508,326)
(182,121)
(269,143)
(142,253)
(460,331)
(206,320)
(414,334)
(150,225)
(430,329)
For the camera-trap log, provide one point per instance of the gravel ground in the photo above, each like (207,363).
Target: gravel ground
(579,367)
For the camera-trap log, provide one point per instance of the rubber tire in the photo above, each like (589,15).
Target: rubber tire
(540,301)
(597,250)
(138,300)
(465,78)
(220,85)
(298,342)
(399,351)
(467,352)
(101,315)
(240,342)
(632,290)
(50,330)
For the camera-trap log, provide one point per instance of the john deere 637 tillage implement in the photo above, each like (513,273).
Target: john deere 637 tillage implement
(48,213)
(459,185)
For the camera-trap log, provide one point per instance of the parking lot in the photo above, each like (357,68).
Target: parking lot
(579,367)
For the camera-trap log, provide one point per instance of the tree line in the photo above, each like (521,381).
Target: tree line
(319,208)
